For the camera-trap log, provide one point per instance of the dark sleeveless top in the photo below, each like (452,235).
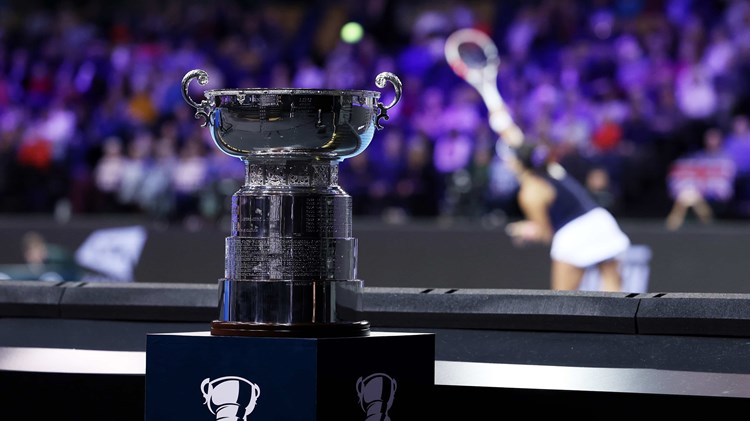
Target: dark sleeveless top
(571,200)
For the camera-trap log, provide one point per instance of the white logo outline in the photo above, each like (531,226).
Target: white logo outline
(230,398)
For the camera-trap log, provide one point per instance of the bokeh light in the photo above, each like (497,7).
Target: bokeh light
(352,32)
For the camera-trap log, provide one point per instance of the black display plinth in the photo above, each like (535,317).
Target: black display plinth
(197,376)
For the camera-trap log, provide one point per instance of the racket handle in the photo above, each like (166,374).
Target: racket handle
(512,136)
(500,118)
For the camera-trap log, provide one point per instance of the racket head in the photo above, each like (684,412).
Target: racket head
(472,55)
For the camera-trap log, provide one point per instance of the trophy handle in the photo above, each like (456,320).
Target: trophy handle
(203,108)
(380,81)
(206,389)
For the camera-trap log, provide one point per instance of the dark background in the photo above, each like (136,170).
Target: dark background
(706,259)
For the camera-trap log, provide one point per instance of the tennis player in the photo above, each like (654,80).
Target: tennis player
(559,211)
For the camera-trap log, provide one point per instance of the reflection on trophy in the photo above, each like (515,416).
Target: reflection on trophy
(376,393)
(230,398)
(291,259)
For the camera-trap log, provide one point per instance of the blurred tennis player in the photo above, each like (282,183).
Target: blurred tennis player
(557,208)
(559,211)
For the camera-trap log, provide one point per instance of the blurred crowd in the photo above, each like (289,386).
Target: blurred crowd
(92,118)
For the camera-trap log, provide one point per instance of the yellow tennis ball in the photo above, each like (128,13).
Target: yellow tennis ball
(352,32)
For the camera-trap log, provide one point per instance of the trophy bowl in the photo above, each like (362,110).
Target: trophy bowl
(328,123)
(291,258)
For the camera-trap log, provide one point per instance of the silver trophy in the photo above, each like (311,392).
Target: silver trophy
(291,259)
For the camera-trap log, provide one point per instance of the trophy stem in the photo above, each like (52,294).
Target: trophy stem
(291,259)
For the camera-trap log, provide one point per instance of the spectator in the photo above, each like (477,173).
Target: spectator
(737,144)
(599,187)
(696,98)
(155,194)
(108,175)
(702,182)
(452,155)
(502,189)
(388,158)
(737,147)
(189,181)
(418,185)
(137,163)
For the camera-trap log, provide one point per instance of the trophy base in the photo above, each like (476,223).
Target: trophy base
(300,379)
(304,330)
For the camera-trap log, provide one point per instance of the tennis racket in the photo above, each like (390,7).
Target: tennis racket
(473,56)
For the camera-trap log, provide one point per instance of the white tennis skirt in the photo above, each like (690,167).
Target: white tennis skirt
(589,239)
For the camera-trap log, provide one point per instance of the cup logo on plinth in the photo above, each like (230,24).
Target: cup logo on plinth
(230,398)
(376,393)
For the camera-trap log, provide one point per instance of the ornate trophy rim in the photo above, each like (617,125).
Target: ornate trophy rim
(205,108)
(211,93)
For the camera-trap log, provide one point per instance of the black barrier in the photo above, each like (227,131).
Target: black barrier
(683,350)
(695,314)
(534,310)
(528,310)
(109,301)
(141,302)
